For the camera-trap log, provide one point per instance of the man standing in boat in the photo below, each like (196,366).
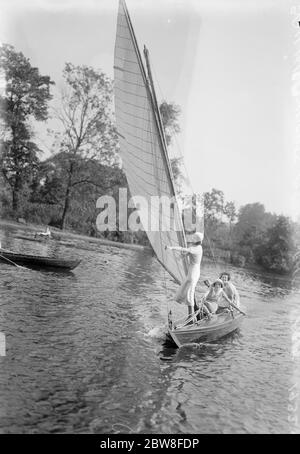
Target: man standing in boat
(186,292)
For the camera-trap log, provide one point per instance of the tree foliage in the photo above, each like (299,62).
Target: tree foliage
(264,238)
(86,115)
(230,212)
(88,130)
(26,97)
(276,253)
(95,179)
(213,205)
(169,114)
(253,220)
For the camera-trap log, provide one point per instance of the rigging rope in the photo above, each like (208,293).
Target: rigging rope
(181,157)
(154,157)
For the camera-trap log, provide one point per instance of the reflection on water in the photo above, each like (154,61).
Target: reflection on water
(87,351)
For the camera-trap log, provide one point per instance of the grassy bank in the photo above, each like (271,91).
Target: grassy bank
(69,236)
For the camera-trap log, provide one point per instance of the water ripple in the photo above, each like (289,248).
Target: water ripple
(87,351)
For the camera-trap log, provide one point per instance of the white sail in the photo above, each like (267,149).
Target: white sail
(142,146)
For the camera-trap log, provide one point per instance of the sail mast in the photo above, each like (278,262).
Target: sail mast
(181,233)
(157,111)
(158,118)
(152,97)
(152,93)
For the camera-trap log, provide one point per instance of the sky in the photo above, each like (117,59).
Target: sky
(227,64)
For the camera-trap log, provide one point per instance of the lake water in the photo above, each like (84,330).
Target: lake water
(86,350)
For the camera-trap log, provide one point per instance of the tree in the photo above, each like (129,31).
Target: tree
(88,130)
(230,211)
(249,231)
(169,114)
(231,214)
(278,249)
(48,195)
(26,97)
(213,205)
(253,220)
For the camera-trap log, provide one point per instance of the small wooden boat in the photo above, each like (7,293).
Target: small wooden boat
(206,330)
(38,260)
(33,239)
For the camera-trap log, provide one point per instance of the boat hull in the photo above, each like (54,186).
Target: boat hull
(206,330)
(37,261)
(36,240)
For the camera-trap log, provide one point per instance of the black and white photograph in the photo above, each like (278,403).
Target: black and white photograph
(149,219)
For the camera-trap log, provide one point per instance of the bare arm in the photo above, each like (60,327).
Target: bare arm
(237,297)
(206,310)
(226,297)
(237,308)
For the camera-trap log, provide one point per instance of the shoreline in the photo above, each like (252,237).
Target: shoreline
(67,235)
(61,235)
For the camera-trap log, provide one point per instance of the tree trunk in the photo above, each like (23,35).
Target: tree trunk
(15,195)
(66,208)
(15,200)
(67,199)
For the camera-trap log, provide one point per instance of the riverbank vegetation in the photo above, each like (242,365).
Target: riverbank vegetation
(84,164)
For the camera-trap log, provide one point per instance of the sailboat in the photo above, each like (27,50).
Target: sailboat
(144,154)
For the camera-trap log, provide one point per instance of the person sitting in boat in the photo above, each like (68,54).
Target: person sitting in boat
(216,300)
(46,234)
(229,288)
(186,292)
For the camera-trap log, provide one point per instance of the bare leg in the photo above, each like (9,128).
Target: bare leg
(190,313)
(190,310)
(206,311)
(196,308)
